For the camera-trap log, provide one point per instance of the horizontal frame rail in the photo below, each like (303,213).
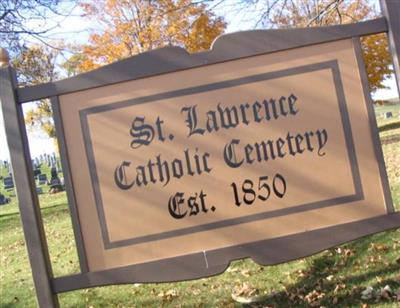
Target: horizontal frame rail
(271,250)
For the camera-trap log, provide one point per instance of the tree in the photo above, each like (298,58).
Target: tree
(309,13)
(21,23)
(22,20)
(127,28)
(130,27)
(37,65)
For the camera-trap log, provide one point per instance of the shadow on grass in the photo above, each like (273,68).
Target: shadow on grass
(346,285)
(389,126)
(300,297)
(46,211)
(390,139)
(8,305)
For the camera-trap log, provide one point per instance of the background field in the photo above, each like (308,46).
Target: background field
(332,278)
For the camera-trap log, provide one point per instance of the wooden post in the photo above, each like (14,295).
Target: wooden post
(391,10)
(24,182)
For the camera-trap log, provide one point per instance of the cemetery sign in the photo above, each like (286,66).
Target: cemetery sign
(223,155)
(175,164)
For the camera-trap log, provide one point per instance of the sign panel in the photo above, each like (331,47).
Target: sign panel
(222,155)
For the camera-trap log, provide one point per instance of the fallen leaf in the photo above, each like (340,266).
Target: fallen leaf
(368,293)
(245,273)
(245,294)
(214,287)
(314,296)
(378,247)
(168,295)
(386,292)
(244,289)
(397,295)
(348,252)
(302,273)
(196,291)
(339,287)
(330,278)
(232,270)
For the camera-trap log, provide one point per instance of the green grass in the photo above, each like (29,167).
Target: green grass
(389,133)
(381,110)
(332,278)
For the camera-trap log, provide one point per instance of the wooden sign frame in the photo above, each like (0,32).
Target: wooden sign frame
(172,59)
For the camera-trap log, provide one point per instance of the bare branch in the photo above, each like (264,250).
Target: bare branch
(328,8)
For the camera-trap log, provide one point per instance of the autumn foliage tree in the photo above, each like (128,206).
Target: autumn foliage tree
(126,28)
(311,13)
(129,27)
(36,65)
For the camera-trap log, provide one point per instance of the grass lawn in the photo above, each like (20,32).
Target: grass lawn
(381,109)
(332,278)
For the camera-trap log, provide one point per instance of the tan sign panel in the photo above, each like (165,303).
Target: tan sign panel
(222,155)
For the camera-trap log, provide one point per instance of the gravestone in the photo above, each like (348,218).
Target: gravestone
(4,200)
(55,182)
(36,172)
(53,161)
(42,179)
(388,115)
(8,183)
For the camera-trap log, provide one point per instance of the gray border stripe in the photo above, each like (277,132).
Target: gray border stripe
(95,180)
(332,65)
(235,221)
(347,131)
(212,86)
(374,128)
(55,104)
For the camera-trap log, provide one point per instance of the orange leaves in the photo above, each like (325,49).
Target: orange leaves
(129,27)
(36,65)
(301,13)
(203,31)
(246,294)
(168,295)
(377,59)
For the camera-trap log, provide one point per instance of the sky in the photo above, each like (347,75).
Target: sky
(73,28)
